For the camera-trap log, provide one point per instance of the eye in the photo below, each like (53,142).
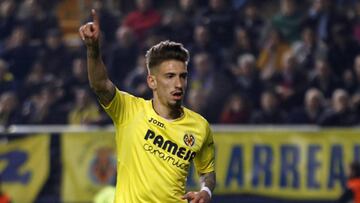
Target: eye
(183,75)
(169,75)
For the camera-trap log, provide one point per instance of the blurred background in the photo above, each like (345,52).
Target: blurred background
(273,77)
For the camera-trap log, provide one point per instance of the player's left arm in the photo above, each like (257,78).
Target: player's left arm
(205,165)
(208,182)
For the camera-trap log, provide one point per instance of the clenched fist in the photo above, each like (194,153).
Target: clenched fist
(90,32)
(197,197)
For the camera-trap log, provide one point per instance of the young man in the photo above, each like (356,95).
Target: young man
(157,139)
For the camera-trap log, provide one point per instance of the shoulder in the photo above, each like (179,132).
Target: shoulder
(125,97)
(128,95)
(199,119)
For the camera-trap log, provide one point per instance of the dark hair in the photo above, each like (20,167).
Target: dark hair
(166,50)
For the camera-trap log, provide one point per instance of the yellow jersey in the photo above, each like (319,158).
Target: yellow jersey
(153,153)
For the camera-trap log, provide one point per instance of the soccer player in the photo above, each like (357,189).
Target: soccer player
(156,139)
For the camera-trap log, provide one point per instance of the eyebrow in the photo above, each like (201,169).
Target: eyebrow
(171,72)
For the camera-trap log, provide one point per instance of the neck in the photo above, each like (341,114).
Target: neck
(166,112)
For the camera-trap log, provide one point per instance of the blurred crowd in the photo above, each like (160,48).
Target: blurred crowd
(252,61)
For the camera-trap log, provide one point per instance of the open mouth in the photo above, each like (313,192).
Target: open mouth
(177,95)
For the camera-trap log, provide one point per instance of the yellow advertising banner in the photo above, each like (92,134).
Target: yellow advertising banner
(24,167)
(89,164)
(291,165)
(273,163)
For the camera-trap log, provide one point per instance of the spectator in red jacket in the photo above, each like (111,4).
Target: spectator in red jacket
(143,19)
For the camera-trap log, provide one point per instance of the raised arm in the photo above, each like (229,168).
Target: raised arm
(97,74)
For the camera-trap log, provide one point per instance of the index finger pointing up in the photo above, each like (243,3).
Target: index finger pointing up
(95,17)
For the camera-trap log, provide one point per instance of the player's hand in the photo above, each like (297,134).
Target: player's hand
(197,197)
(90,32)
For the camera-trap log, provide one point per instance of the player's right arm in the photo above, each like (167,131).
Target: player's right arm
(97,74)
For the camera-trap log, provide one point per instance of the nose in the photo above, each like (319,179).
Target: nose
(179,82)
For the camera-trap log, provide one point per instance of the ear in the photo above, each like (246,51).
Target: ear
(151,81)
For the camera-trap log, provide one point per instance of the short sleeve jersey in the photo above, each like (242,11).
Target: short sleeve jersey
(153,153)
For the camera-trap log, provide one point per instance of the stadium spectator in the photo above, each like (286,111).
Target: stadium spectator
(251,21)
(77,80)
(210,82)
(351,77)
(310,113)
(308,48)
(203,74)
(54,55)
(339,114)
(202,42)
(349,81)
(245,78)
(188,8)
(85,110)
(323,16)
(289,83)
(239,4)
(142,20)
(44,107)
(352,191)
(235,111)
(36,79)
(152,38)
(19,53)
(36,19)
(323,78)
(271,54)
(270,112)
(203,79)
(7,18)
(196,101)
(188,12)
(288,20)
(355,103)
(342,50)
(355,20)
(135,82)
(243,44)
(122,55)
(9,113)
(6,78)
(78,77)
(176,26)
(220,19)
(357,73)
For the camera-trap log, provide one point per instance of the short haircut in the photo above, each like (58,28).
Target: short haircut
(163,51)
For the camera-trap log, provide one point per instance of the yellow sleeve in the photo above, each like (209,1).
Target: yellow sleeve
(205,160)
(122,107)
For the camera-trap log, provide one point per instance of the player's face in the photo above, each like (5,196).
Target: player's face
(169,82)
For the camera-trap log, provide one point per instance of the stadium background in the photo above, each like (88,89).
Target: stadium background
(253,63)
